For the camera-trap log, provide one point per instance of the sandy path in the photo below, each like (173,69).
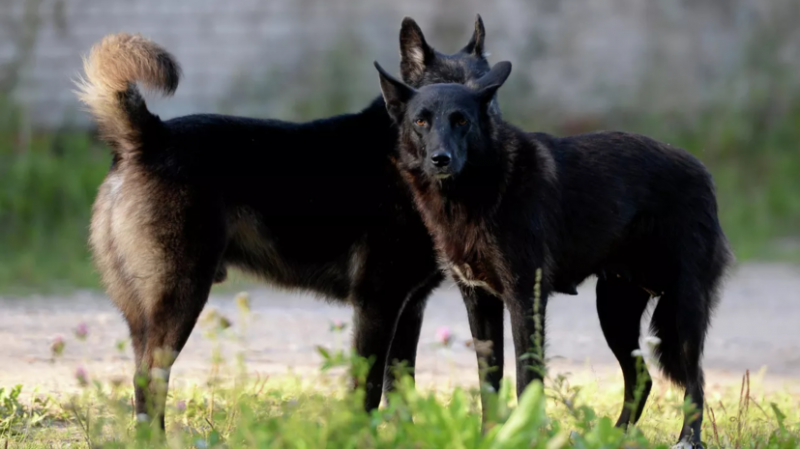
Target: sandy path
(757,325)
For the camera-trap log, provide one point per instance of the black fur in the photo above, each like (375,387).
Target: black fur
(502,203)
(317,206)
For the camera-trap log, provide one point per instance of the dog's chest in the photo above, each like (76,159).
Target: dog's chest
(467,248)
(476,273)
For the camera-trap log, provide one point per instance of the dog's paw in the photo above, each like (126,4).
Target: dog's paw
(686,443)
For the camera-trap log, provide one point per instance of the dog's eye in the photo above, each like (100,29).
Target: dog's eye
(461,121)
(420,122)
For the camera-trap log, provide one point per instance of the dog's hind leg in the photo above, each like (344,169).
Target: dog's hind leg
(138,329)
(173,295)
(170,323)
(375,317)
(620,305)
(406,337)
(124,296)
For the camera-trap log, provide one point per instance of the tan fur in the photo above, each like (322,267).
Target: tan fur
(474,247)
(125,249)
(132,240)
(111,69)
(358,259)
(125,244)
(159,241)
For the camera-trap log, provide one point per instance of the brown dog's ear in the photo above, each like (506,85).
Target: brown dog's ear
(489,83)
(475,45)
(395,94)
(415,53)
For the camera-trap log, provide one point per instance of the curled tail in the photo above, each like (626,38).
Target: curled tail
(112,69)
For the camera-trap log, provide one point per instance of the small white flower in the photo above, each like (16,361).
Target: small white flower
(637,353)
(160,373)
(652,340)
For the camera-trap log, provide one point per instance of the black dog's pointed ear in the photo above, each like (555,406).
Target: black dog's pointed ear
(489,83)
(475,45)
(395,94)
(415,53)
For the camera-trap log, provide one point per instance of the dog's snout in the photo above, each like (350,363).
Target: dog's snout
(441,159)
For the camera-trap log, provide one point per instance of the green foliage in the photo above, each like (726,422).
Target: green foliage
(244,411)
(291,413)
(47,184)
(15,416)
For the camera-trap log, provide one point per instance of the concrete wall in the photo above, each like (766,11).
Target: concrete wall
(295,58)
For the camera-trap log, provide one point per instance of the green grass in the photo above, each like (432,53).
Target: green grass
(233,410)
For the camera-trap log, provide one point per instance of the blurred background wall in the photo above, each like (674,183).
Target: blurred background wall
(718,77)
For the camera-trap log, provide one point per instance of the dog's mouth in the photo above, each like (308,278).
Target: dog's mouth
(441,176)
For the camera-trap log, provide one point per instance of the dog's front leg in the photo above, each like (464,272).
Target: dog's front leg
(485,314)
(527,328)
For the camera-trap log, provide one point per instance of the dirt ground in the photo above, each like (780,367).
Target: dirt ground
(755,327)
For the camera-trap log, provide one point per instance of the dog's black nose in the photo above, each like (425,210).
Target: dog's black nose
(440,159)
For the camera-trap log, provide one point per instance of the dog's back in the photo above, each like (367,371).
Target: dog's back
(274,198)
(625,198)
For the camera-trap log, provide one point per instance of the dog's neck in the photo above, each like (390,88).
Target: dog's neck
(458,211)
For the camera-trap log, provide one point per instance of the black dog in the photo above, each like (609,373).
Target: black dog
(502,203)
(318,206)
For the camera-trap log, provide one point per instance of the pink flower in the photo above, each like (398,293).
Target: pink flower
(81,331)
(444,336)
(338,326)
(82,376)
(180,406)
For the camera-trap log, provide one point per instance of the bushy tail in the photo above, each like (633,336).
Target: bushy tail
(682,317)
(112,69)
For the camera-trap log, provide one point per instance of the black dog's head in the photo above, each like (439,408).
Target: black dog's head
(421,65)
(441,125)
